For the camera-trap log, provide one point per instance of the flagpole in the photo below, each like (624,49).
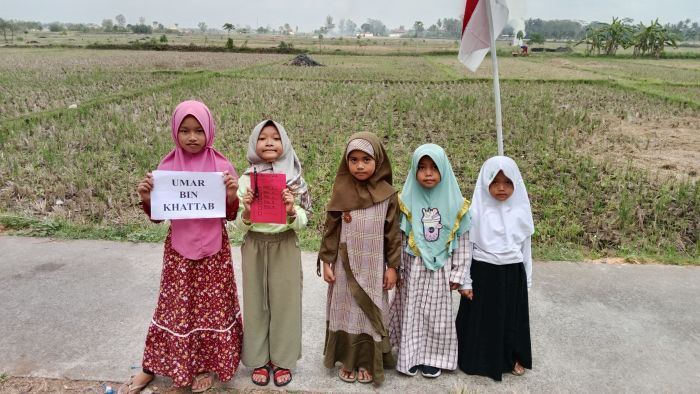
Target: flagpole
(496,84)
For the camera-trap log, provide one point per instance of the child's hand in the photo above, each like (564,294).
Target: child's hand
(288,199)
(454,286)
(145,187)
(389,278)
(231,186)
(247,200)
(328,274)
(469,293)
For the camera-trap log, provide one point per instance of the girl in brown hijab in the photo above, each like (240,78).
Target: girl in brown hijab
(360,253)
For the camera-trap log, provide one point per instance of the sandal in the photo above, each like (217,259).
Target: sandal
(282,372)
(263,371)
(365,381)
(199,378)
(347,376)
(131,388)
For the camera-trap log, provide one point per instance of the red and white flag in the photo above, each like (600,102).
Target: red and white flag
(476,38)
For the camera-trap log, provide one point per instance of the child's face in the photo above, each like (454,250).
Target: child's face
(269,146)
(427,173)
(361,165)
(191,135)
(501,188)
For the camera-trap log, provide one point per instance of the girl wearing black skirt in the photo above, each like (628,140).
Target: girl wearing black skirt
(493,323)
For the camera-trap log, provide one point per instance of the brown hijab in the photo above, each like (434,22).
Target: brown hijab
(349,193)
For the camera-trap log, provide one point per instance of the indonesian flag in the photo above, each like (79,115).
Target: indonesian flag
(476,40)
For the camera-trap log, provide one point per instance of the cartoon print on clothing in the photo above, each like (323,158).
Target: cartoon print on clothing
(431,224)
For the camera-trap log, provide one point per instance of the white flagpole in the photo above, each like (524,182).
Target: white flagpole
(496,84)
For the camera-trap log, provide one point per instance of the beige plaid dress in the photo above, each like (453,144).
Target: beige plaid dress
(421,322)
(357,307)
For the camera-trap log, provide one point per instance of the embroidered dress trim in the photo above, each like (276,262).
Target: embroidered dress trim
(196,329)
(462,212)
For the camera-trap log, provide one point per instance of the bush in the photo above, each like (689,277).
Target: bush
(284,45)
(163,38)
(142,29)
(55,27)
(229,44)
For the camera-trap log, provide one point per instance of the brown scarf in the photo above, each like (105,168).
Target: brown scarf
(349,193)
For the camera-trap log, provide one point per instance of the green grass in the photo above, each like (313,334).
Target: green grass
(73,173)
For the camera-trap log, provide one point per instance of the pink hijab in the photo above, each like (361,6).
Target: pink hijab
(196,238)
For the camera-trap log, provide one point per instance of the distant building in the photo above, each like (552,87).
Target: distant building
(397,33)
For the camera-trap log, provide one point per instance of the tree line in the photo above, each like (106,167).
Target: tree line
(592,34)
(685,30)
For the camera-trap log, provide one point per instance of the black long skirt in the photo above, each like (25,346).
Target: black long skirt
(493,329)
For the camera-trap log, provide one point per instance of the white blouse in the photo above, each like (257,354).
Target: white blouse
(514,256)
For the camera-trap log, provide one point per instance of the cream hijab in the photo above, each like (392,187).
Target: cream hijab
(500,226)
(287,164)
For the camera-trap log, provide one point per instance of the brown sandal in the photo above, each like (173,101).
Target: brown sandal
(131,388)
(347,376)
(364,381)
(198,378)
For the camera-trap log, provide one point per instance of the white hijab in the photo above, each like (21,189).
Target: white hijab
(500,226)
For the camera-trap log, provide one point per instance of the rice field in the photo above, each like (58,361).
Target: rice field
(35,80)
(73,172)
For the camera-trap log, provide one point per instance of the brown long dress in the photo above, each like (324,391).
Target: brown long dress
(357,306)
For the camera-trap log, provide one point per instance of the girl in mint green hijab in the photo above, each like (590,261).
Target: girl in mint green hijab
(435,215)
(435,260)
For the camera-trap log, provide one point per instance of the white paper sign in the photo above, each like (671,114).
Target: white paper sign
(188,195)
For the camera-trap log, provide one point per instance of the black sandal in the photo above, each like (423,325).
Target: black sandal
(283,370)
(264,371)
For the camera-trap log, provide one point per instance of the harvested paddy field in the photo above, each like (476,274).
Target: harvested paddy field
(608,148)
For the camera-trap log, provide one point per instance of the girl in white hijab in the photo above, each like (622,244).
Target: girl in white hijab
(493,323)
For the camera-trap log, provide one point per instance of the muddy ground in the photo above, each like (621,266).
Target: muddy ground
(667,148)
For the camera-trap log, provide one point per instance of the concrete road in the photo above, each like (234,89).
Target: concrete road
(80,310)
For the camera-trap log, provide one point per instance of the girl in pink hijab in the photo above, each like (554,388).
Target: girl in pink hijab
(196,329)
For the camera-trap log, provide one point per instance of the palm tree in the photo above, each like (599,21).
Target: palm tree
(418,28)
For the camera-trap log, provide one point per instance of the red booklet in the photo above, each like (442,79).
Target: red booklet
(267,206)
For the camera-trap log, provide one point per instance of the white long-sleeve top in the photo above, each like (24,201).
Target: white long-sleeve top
(515,256)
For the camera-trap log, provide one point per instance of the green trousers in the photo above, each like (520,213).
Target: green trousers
(272,284)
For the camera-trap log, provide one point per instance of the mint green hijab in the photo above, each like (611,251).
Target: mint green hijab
(435,218)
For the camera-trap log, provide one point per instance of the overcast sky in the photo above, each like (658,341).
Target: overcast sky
(310,14)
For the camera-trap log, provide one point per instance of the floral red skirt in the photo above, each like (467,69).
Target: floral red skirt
(197,325)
